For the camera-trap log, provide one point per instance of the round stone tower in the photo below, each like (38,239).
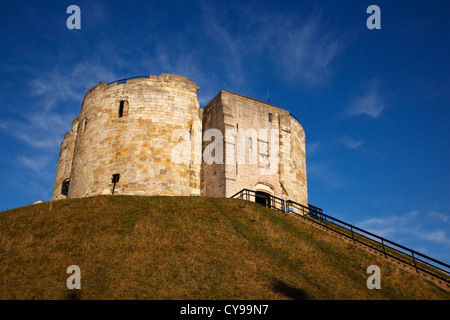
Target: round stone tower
(126,136)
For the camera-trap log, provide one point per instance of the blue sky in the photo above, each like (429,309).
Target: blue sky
(374,103)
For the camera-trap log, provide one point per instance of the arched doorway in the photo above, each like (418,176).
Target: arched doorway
(263,193)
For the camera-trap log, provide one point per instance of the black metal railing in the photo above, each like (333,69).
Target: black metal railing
(272,201)
(122,81)
(407,256)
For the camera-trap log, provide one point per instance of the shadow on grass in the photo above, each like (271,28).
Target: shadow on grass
(288,291)
(73,295)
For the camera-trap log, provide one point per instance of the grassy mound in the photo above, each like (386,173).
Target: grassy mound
(131,247)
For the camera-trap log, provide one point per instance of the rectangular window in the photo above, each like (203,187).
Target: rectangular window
(270,117)
(237,127)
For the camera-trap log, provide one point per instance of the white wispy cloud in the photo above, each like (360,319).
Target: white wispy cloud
(370,103)
(437,236)
(59,85)
(93,13)
(44,122)
(43,130)
(323,172)
(410,226)
(173,57)
(442,217)
(350,142)
(233,47)
(300,46)
(36,163)
(312,148)
(384,227)
(307,50)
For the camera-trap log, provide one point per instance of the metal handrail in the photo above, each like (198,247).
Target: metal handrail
(316,215)
(126,79)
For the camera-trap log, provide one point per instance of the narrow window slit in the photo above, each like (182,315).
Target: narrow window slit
(122,104)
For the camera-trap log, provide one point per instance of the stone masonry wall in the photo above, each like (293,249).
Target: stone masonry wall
(281,137)
(213,174)
(139,144)
(150,131)
(293,160)
(249,118)
(65,160)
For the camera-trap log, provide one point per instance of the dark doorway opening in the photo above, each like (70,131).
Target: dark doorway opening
(262,198)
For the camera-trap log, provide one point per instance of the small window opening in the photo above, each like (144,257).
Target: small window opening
(85,124)
(122,104)
(115,179)
(270,117)
(237,168)
(65,187)
(250,144)
(237,127)
(190,133)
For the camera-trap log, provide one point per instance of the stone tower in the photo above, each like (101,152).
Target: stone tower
(148,136)
(123,141)
(264,149)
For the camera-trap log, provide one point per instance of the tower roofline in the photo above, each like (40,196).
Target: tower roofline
(260,101)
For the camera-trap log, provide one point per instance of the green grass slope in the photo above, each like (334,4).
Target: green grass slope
(185,248)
